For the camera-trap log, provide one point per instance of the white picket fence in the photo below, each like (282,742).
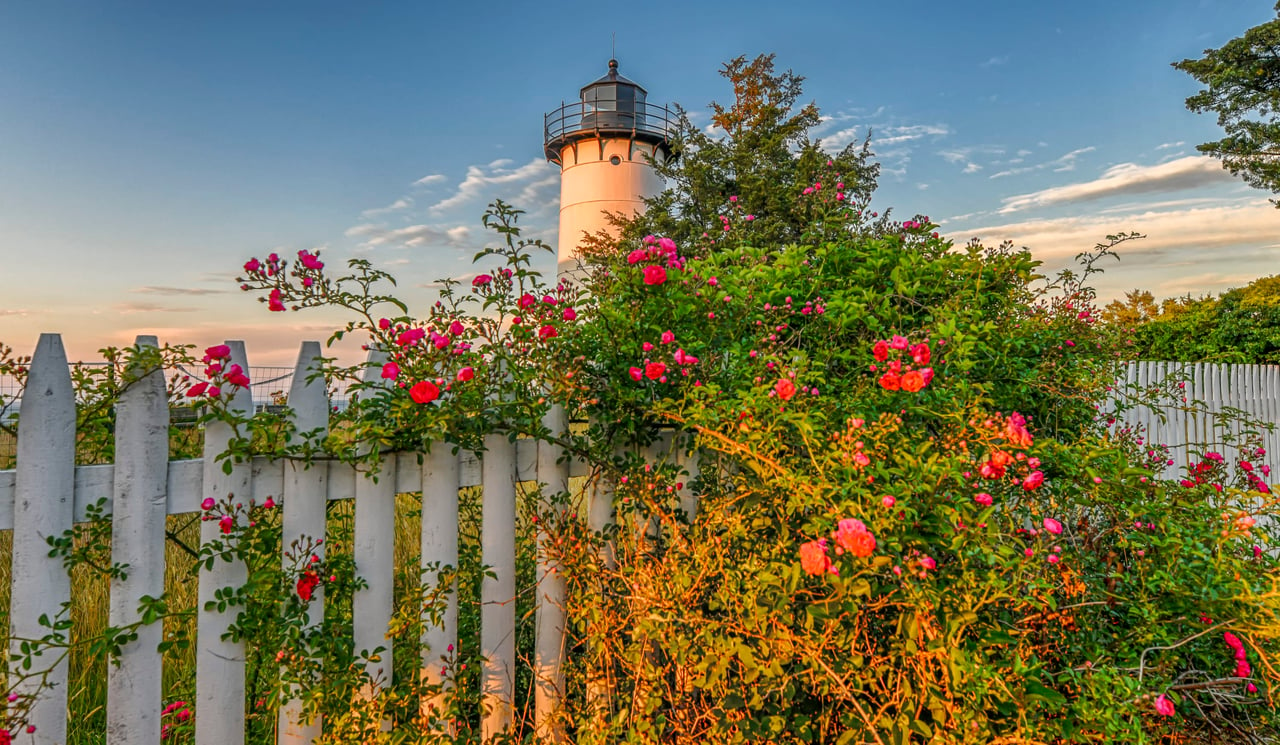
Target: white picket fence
(1209,389)
(47,493)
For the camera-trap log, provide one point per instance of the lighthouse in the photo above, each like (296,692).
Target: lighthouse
(605,144)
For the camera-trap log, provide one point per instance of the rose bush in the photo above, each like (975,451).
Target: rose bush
(913,522)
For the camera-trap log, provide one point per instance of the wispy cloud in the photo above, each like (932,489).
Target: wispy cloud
(895,134)
(1126,179)
(481,179)
(399,204)
(995,61)
(1226,224)
(132,307)
(1203,283)
(372,235)
(1063,163)
(164,290)
(434,178)
(1167,145)
(14,311)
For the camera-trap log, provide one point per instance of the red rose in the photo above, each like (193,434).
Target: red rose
(424,392)
(307,585)
(654,370)
(890,381)
(785,389)
(912,381)
(881,350)
(654,275)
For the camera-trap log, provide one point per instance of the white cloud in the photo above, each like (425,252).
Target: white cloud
(481,179)
(373,235)
(995,61)
(1221,226)
(399,204)
(1203,283)
(127,308)
(1123,179)
(433,178)
(907,133)
(1168,145)
(1064,163)
(162,290)
(14,311)
(971,168)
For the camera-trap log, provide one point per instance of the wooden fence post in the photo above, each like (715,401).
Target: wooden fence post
(43,507)
(498,592)
(305,499)
(548,664)
(220,663)
(441,480)
(374,548)
(137,542)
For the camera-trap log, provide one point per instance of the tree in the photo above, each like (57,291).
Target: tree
(1243,88)
(759,154)
(1240,326)
(1138,307)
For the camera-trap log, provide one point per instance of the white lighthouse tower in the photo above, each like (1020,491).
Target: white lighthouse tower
(605,145)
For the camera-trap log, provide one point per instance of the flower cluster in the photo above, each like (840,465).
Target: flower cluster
(656,370)
(850,536)
(900,375)
(220,374)
(664,254)
(179,713)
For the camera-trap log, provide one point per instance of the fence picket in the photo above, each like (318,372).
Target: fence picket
(548,665)
(303,522)
(498,591)
(220,663)
(374,544)
(137,542)
(44,500)
(441,480)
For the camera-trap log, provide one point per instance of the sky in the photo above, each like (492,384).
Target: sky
(148,149)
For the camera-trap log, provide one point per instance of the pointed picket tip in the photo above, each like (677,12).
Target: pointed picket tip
(308,397)
(48,397)
(373,367)
(242,400)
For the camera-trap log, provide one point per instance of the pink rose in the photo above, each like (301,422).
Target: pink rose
(1053,526)
(466,374)
(390,371)
(654,275)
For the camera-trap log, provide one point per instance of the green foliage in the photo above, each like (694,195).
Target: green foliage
(1242,80)
(760,153)
(1239,326)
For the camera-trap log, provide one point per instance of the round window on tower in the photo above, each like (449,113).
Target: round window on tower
(615,160)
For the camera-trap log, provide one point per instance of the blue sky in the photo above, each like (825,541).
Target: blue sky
(148,149)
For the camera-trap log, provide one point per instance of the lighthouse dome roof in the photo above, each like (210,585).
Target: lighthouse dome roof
(613,78)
